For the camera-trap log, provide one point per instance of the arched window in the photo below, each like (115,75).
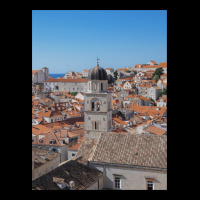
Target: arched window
(95,104)
(92,106)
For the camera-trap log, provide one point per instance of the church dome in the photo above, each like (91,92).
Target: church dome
(97,73)
(110,79)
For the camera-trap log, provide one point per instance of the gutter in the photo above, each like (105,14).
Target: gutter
(127,166)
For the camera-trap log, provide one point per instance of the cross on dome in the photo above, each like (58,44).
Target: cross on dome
(97,61)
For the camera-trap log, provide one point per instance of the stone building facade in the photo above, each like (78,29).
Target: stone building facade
(40,76)
(154,92)
(70,85)
(131,177)
(98,104)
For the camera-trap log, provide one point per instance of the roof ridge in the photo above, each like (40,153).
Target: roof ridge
(95,148)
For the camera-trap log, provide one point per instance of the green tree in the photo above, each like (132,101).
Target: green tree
(163,92)
(115,75)
(152,102)
(156,77)
(73,93)
(158,72)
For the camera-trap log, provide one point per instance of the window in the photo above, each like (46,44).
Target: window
(95,125)
(117,183)
(73,154)
(92,106)
(149,185)
(101,86)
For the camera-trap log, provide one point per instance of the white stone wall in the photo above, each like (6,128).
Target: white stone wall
(104,120)
(154,93)
(161,104)
(143,91)
(66,86)
(132,178)
(71,152)
(39,77)
(105,101)
(79,96)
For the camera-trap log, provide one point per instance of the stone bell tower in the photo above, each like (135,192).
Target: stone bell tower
(98,104)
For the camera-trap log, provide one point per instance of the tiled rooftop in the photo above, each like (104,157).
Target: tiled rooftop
(131,149)
(82,175)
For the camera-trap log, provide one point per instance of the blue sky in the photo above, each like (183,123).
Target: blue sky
(71,40)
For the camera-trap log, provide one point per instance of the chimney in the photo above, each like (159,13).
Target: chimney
(71,185)
(150,106)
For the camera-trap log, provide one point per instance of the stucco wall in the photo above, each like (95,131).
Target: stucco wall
(132,178)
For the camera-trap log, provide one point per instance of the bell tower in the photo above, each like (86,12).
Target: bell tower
(98,104)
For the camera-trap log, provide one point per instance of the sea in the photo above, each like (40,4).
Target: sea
(56,75)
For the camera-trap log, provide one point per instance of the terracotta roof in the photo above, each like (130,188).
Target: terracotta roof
(164,64)
(46,140)
(155,130)
(137,65)
(35,71)
(119,121)
(145,85)
(152,111)
(77,145)
(164,99)
(137,96)
(39,129)
(154,62)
